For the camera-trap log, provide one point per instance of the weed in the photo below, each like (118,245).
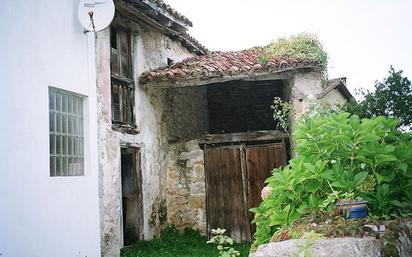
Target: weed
(172,243)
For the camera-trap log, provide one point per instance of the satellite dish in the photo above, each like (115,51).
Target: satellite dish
(95,15)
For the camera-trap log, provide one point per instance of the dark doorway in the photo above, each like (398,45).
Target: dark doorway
(235,177)
(131,195)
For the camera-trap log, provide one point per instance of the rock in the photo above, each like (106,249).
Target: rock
(197,201)
(198,173)
(336,247)
(198,188)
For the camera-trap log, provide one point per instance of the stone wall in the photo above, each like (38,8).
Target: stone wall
(185,187)
(149,50)
(185,115)
(305,87)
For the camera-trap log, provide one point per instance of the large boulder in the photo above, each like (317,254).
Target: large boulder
(336,247)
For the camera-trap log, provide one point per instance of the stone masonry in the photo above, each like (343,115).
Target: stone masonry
(185,187)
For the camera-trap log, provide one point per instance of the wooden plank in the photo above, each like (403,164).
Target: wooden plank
(167,16)
(261,135)
(133,14)
(243,167)
(260,161)
(213,187)
(226,208)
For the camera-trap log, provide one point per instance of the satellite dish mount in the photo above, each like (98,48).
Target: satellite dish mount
(95,15)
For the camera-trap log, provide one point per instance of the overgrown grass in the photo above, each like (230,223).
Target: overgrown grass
(303,45)
(171,243)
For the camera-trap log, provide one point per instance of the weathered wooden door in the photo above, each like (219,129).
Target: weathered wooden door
(235,177)
(260,161)
(131,196)
(226,196)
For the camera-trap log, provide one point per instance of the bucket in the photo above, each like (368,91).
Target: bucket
(353,210)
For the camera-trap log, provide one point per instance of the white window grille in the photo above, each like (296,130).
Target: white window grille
(66,133)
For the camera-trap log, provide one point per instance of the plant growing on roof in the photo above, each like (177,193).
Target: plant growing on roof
(306,46)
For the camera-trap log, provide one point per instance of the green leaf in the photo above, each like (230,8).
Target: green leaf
(313,201)
(396,203)
(310,167)
(360,177)
(403,166)
(279,177)
(312,186)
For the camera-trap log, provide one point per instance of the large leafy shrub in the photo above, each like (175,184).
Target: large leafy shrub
(337,152)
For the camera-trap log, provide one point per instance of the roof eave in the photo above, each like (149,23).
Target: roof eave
(129,8)
(281,74)
(345,92)
(339,85)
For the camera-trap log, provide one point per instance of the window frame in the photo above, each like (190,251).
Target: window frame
(122,79)
(72,146)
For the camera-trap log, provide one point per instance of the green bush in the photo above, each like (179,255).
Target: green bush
(339,154)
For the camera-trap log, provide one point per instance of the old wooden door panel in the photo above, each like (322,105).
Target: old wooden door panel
(226,194)
(260,161)
(131,196)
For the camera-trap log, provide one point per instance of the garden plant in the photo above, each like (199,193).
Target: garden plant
(337,156)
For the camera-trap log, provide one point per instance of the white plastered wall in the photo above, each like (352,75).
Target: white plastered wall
(334,98)
(42,44)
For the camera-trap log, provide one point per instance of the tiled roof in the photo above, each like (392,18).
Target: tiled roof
(218,64)
(169,21)
(172,11)
(191,43)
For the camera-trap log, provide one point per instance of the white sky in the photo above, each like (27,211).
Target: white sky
(362,37)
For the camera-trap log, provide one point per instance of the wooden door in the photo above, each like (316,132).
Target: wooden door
(235,176)
(132,204)
(260,161)
(226,206)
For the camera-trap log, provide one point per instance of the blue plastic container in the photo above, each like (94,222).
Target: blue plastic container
(356,210)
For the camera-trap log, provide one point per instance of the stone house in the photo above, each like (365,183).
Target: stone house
(219,157)
(163,131)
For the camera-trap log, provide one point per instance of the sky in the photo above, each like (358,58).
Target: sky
(362,37)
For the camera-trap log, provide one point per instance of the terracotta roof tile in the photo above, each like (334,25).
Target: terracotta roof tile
(218,64)
(196,47)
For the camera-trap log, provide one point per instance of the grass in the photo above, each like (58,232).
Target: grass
(171,243)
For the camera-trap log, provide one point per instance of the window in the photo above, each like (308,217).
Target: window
(122,78)
(66,133)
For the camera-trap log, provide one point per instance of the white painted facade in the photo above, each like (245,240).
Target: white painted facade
(42,44)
